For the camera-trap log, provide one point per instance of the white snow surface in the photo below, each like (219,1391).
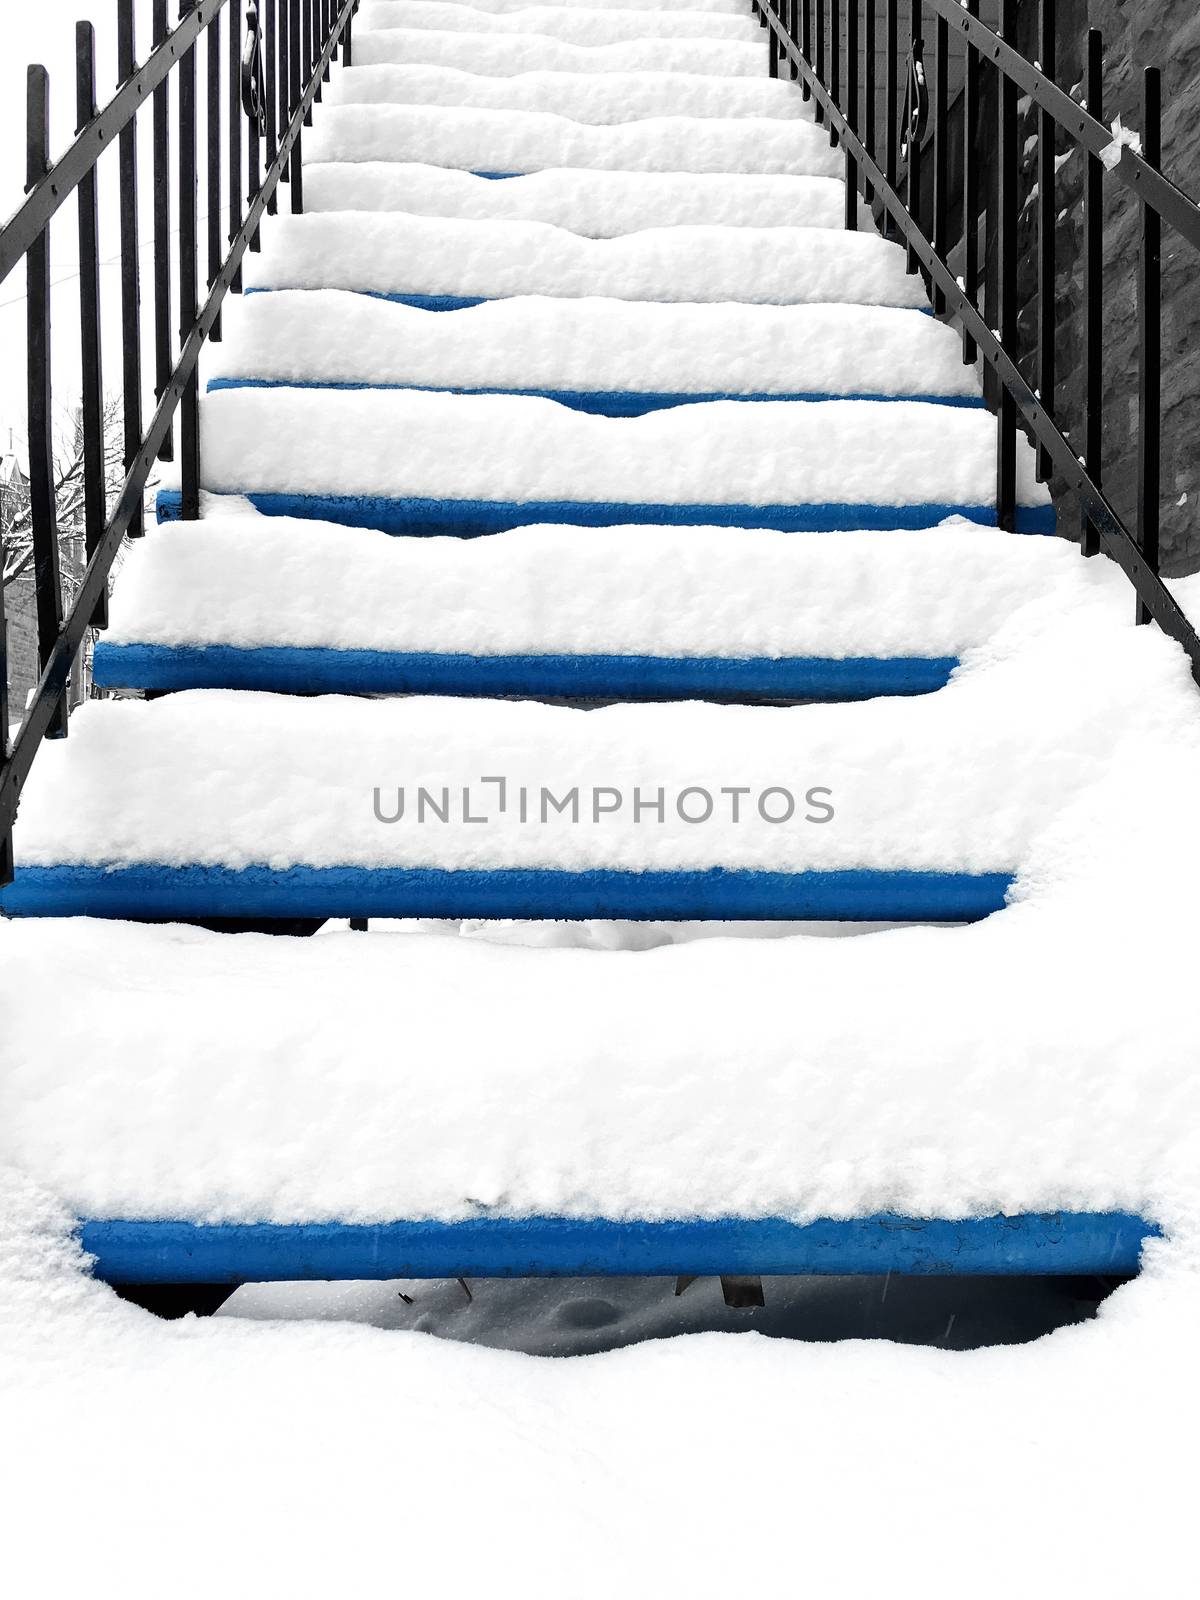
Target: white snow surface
(521,448)
(539,342)
(587,25)
(390,252)
(501,54)
(588,201)
(945,1072)
(636,590)
(375,9)
(963,780)
(599,98)
(396,253)
(567,1472)
(481,140)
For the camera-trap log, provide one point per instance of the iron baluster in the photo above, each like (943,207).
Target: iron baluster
(971,107)
(1046,242)
(793,29)
(819,24)
(914,124)
(1149,341)
(284,76)
(189,412)
(891,103)
(851,110)
(772,48)
(297,184)
(131,315)
(1006,279)
(92,399)
(234,96)
(941,189)
(253,103)
(835,62)
(806,47)
(869,92)
(271,108)
(162,230)
(43,517)
(212,55)
(1093,290)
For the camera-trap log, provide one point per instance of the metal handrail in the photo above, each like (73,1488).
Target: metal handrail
(1136,554)
(302,37)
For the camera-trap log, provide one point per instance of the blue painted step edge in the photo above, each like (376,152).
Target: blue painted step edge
(1104,1243)
(149,890)
(285,669)
(419,517)
(596,402)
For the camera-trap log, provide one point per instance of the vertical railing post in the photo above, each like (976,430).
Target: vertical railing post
(819,63)
(212,61)
(131,314)
(253,143)
(772,45)
(348,41)
(891,106)
(43,516)
(1093,290)
(869,92)
(1006,276)
(285,80)
(835,61)
(806,45)
(970,114)
(297,80)
(270,90)
(852,108)
(941,155)
(161,172)
(792,24)
(1149,341)
(234,90)
(189,414)
(308,57)
(912,199)
(95,506)
(1046,225)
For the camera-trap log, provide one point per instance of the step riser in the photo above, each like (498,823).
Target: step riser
(597,404)
(172,893)
(1081,1243)
(466,519)
(284,670)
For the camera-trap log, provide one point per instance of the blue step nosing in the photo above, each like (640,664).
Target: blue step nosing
(152,890)
(297,670)
(164,1251)
(419,516)
(598,402)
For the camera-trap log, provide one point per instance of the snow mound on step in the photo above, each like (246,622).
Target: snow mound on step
(588,201)
(635,590)
(599,98)
(527,141)
(536,342)
(577,24)
(516,448)
(400,254)
(502,54)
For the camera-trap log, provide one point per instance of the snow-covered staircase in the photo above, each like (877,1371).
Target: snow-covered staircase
(577,281)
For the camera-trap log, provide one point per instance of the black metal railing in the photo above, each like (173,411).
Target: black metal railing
(822,43)
(272,61)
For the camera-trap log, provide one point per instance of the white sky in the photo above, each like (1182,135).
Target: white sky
(44,31)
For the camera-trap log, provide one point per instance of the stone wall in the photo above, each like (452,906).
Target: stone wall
(1136,35)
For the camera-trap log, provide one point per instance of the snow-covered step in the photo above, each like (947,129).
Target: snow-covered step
(630,613)
(241,804)
(425,463)
(444,262)
(596,98)
(613,357)
(503,142)
(587,25)
(503,54)
(587,201)
(377,1094)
